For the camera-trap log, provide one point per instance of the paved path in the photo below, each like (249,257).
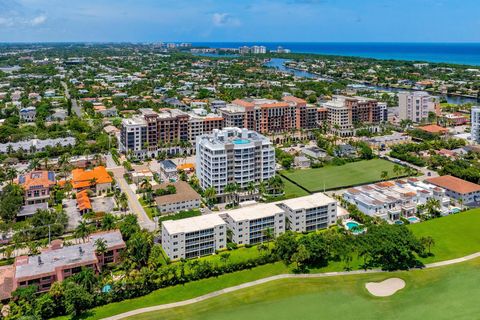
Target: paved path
(133,202)
(75,106)
(273,278)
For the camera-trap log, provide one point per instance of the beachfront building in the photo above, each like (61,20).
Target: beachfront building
(415,106)
(59,262)
(394,200)
(233,155)
(461,190)
(345,113)
(36,186)
(475,123)
(310,213)
(249,224)
(194,237)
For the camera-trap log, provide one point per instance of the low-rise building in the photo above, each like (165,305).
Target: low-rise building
(394,200)
(96,179)
(168,170)
(194,237)
(458,189)
(310,213)
(60,262)
(37,186)
(249,225)
(28,114)
(184,199)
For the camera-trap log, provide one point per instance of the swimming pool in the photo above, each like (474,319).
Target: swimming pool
(357,228)
(241,141)
(399,222)
(413,219)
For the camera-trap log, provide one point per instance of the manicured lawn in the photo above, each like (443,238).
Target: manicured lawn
(442,293)
(332,177)
(181,215)
(291,191)
(455,235)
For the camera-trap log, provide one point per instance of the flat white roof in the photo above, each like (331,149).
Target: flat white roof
(308,202)
(254,212)
(193,224)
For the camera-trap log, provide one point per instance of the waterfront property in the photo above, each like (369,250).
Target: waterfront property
(395,200)
(194,237)
(59,262)
(416,106)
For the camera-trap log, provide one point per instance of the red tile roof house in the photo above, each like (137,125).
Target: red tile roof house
(37,185)
(58,262)
(457,188)
(96,179)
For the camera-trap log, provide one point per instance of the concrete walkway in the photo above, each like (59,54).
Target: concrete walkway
(274,278)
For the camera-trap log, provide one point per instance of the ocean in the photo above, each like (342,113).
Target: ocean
(457,53)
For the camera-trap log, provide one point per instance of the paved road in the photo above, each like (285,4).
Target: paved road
(273,278)
(75,106)
(133,202)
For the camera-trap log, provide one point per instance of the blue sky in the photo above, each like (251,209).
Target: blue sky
(240,20)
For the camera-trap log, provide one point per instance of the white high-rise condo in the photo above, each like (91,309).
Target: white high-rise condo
(415,106)
(475,119)
(233,155)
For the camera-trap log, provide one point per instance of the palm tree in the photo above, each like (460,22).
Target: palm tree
(123,201)
(11,174)
(83,230)
(428,242)
(108,222)
(384,175)
(101,247)
(210,195)
(397,170)
(251,187)
(432,206)
(275,184)
(268,234)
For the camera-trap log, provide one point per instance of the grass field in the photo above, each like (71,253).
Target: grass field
(455,236)
(341,176)
(443,293)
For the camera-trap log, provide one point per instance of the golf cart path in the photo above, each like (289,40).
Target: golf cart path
(273,278)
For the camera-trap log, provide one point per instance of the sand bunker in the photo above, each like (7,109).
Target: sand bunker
(385,288)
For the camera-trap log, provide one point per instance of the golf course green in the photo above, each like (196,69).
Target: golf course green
(449,292)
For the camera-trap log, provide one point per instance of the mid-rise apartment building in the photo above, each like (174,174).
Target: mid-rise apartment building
(194,237)
(475,122)
(233,155)
(249,225)
(310,213)
(344,114)
(143,134)
(416,106)
(266,115)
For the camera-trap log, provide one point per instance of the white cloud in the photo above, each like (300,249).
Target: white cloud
(38,20)
(225,20)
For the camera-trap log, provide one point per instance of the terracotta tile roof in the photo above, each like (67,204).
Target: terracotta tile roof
(433,128)
(82,178)
(35,179)
(274,105)
(243,103)
(294,99)
(385,184)
(83,201)
(455,184)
